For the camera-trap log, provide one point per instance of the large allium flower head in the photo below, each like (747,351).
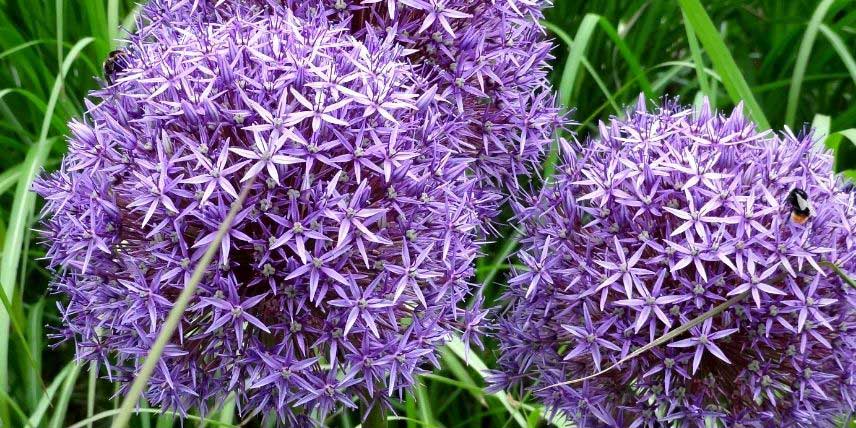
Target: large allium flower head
(344,268)
(663,216)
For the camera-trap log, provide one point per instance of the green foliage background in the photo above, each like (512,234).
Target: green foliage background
(791,62)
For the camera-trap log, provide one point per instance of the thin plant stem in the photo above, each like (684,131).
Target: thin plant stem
(175,314)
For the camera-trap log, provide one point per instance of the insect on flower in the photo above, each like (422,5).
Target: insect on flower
(117,61)
(800,207)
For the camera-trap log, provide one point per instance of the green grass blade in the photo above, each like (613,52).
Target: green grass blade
(698,61)
(227,413)
(165,421)
(629,57)
(802,59)
(661,340)
(411,411)
(109,413)
(451,363)
(507,248)
(466,386)
(586,29)
(37,102)
(113,22)
(423,404)
(575,59)
(591,70)
(23,205)
(687,64)
(64,398)
(145,418)
(90,391)
(821,125)
(39,413)
(33,380)
(460,349)
(782,83)
(534,418)
(15,408)
(411,422)
(845,152)
(8,178)
(19,332)
(172,320)
(732,79)
(59,30)
(841,49)
(20,47)
(840,272)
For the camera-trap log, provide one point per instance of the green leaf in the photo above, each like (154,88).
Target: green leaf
(8,178)
(165,421)
(845,149)
(108,413)
(507,248)
(21,47)
(453,364)
(19,333)
(411,411)
(113,22)
(821,124)
(15,408)
(591,70)
(39,413)
(227,412)
(732,79)
(534,418)
(34,384)
(575,59)
(569,79)
(64,398)
(423,404)
(90,391)
(464,353)
(631,59)
(23,206)
(698,61)
(840,272)
(841,49)
(802,59)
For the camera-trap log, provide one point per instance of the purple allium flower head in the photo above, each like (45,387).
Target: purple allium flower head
(486,63)
(348,263)
(662,217)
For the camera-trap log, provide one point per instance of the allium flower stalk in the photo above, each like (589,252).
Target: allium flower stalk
(372,141)
(663,216)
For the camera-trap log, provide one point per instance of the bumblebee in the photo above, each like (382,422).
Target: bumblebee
(116,62)
(800,207)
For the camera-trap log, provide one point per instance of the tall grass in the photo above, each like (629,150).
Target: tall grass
(788,66)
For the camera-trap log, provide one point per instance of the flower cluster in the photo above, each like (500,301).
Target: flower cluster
(361,144)
(662,217)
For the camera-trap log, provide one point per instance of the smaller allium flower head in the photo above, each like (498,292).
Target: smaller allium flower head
(345,267)
(665,215)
